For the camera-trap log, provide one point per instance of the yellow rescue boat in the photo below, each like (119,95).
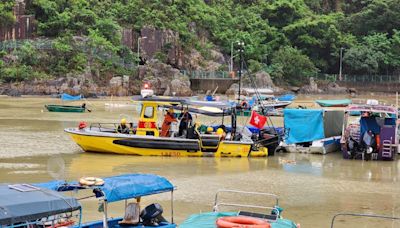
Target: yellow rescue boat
(146,140)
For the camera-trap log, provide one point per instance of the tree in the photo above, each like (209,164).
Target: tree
(294,66)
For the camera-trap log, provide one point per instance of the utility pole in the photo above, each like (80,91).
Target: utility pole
(340,64)
(241,51)
(138,48)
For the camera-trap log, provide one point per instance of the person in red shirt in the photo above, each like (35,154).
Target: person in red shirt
(168,119)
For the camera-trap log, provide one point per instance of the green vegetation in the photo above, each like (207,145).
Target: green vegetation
(291,39)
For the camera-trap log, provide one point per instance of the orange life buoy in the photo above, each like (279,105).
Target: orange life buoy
(242,222)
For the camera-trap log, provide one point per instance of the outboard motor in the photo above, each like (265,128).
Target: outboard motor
(152,215)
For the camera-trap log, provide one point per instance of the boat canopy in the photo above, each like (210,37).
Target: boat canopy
(372,108)
(29,204)
(204,110)
(67,97)
(121,187)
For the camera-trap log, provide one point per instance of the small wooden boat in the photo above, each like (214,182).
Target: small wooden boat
(65,108)
(334,103)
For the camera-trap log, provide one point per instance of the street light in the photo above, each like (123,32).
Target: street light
(340,64)
(138,47)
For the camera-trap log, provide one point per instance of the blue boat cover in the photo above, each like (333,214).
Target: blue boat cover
(121,187)
(17,206)
(67,97)
(286,97)
(303,125)
(208,220)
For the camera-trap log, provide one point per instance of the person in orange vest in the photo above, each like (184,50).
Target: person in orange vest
(168,119)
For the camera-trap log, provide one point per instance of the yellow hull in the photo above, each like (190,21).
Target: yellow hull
(105,144)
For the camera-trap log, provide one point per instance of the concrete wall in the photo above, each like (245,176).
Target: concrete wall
(23,28)
(389,87)
(210,84)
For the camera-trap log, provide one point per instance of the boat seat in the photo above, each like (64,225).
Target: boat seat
(132,215)
(270,217)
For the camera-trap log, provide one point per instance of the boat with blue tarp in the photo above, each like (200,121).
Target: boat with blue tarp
(312,130)
(234,214)
(25,205)
(123,188)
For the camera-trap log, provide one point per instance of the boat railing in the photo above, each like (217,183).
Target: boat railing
(106,127)
(363,215)
(218,203)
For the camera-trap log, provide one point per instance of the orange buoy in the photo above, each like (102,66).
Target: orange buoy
(242,222)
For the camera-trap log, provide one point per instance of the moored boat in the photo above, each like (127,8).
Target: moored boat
(373,136)
(334,103)
(270,217)
(122,188)
(24,205)
(65,108)
(312,130)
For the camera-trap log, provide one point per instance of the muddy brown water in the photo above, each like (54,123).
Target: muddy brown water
(312,188)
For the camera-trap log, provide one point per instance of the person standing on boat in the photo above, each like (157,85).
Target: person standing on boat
(186,119)
(168,119)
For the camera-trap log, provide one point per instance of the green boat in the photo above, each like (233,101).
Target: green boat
(65,108)
(334,103)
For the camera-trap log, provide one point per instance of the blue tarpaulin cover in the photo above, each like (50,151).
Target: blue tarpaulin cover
(67,97)
(286,97)
(208,220)
(17,206)
(121,187)
(303,125)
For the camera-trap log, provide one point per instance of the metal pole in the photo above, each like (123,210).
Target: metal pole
(105,219)
(241,50)
(340,64)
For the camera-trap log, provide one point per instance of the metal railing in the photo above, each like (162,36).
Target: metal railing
(359,78)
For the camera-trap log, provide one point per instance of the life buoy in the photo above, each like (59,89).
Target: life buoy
(66,223)
(90,181)
(242,222)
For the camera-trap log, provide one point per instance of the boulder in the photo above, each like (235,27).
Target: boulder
(334,88)
(312,87)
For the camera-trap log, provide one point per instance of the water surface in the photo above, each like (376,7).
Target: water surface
(312,188)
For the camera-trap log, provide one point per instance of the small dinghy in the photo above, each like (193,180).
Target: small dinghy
(333,103)
(65,108)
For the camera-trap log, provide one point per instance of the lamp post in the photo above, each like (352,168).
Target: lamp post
(241,51)
(138,47)
(340,63)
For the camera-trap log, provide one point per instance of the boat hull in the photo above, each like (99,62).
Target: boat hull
(64,108)
(323,146)
(158,146)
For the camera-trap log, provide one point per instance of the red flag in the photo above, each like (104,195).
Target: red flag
(257,120)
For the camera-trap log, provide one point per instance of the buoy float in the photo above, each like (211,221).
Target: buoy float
(242,222)
(90,181)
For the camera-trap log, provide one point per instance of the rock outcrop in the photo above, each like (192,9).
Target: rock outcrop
(164,79)
(312,87)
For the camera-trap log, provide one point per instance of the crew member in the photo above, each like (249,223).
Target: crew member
(122,127)
(186,119)
(168,119)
